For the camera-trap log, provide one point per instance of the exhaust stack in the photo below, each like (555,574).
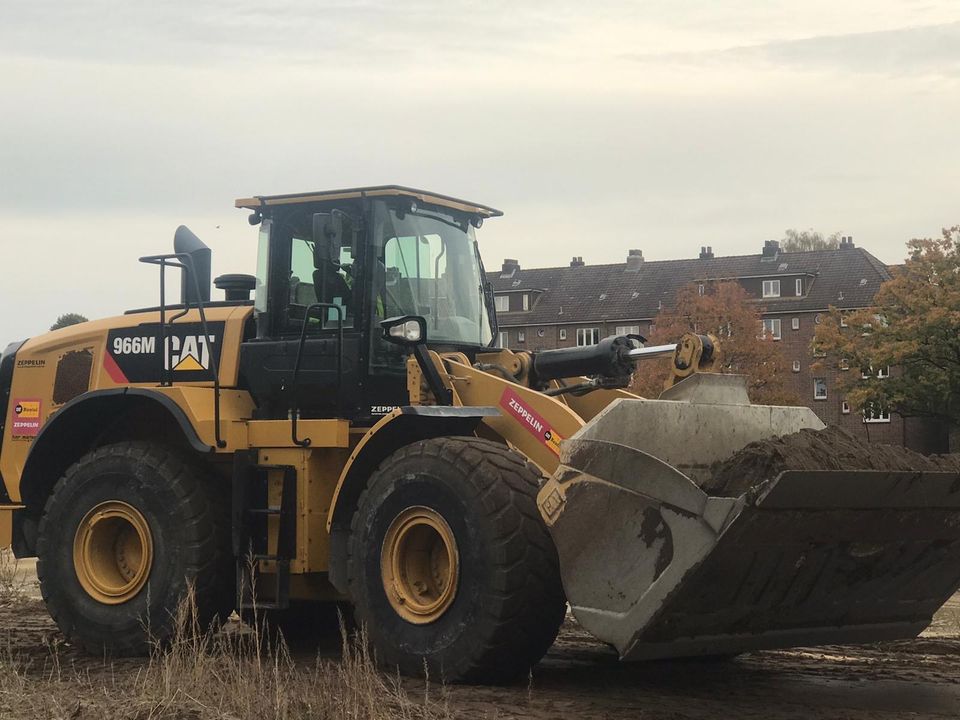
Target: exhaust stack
(184,241)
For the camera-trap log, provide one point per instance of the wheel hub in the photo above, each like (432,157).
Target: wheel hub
(420,565)
(113,552)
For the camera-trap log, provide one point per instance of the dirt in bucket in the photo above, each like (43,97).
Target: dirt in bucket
(828,449)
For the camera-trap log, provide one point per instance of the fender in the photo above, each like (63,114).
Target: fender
(67,435)
(403,426)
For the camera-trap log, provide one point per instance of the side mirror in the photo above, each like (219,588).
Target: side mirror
(405,330)
(327,237)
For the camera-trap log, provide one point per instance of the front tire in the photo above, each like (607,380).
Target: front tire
(451,569)
(125,532)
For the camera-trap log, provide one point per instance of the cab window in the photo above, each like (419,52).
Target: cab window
(312,280)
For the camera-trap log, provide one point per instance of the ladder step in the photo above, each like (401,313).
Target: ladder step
(272,510)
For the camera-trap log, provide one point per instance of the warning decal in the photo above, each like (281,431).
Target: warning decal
(25,421)
(531,420)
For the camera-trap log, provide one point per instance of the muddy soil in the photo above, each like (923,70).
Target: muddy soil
(829,449)
(581,678)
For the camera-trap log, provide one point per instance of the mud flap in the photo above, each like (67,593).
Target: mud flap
(656,568)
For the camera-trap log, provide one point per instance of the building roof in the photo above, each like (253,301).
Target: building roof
(846,278)
(423,196)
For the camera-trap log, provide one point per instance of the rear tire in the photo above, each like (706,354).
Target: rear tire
(126,530)
(451,526)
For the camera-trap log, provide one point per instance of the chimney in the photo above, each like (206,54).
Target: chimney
(510,268)
(771,248)
(576,262)
(846,243)
(706,253)
(634,260)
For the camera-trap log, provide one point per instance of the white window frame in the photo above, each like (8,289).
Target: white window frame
(796,366)
(771,288)
(503,338)
(817,383)
(844,364)
(795,323)
(775,328)
(882,374)
(526,302)
(590,333)
(503,300)
(845,408)
(843,320)
(700,290)
(563,333)
(627,330)
(871,417)
(799,287)
(521,336)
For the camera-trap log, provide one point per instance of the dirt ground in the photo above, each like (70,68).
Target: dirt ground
(581,678)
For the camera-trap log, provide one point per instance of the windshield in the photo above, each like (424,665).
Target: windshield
(428,265)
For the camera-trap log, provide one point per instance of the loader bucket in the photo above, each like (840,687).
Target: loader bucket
(654,566)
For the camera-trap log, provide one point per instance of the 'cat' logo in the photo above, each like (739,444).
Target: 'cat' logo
(191,352)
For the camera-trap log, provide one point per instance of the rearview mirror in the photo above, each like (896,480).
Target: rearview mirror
(327,237)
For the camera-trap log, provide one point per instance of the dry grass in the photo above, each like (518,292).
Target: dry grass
(13,585)
(202,675)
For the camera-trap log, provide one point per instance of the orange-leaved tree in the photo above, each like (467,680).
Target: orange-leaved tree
(727,311)
(913,328)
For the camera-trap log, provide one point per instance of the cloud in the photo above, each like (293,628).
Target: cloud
(927,51)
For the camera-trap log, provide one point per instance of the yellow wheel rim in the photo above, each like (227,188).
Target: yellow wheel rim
(113,552)
(420,565)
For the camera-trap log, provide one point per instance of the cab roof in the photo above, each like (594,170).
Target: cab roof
(430,198)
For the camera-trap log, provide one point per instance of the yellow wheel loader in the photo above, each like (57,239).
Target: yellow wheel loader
(351,437)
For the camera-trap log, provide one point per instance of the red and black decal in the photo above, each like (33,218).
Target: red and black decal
(138,354)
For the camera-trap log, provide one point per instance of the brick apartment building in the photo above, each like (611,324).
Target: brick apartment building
(543,308)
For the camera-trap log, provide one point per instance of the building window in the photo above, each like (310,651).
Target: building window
(844,364)
(799,287)
(772,328)
(700,289)
(771,288)
(526,302)
(817,318)
(845,407)
(540,332)
(521,336)
(882,373)
(875,414)
(796,366)
(503,339)
(627,330)
(502,303)
(563,333)
(819,388)
(795,323)
(843,320)
(588,336)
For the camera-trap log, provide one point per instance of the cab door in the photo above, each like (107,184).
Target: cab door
(296,272)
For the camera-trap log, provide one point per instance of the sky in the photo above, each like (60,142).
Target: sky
(596,127)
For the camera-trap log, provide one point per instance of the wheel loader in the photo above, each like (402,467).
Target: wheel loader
(351,437)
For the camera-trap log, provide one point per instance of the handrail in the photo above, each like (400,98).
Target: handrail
(294,410)
(186,264)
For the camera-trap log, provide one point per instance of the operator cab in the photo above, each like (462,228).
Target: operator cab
(331,267)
